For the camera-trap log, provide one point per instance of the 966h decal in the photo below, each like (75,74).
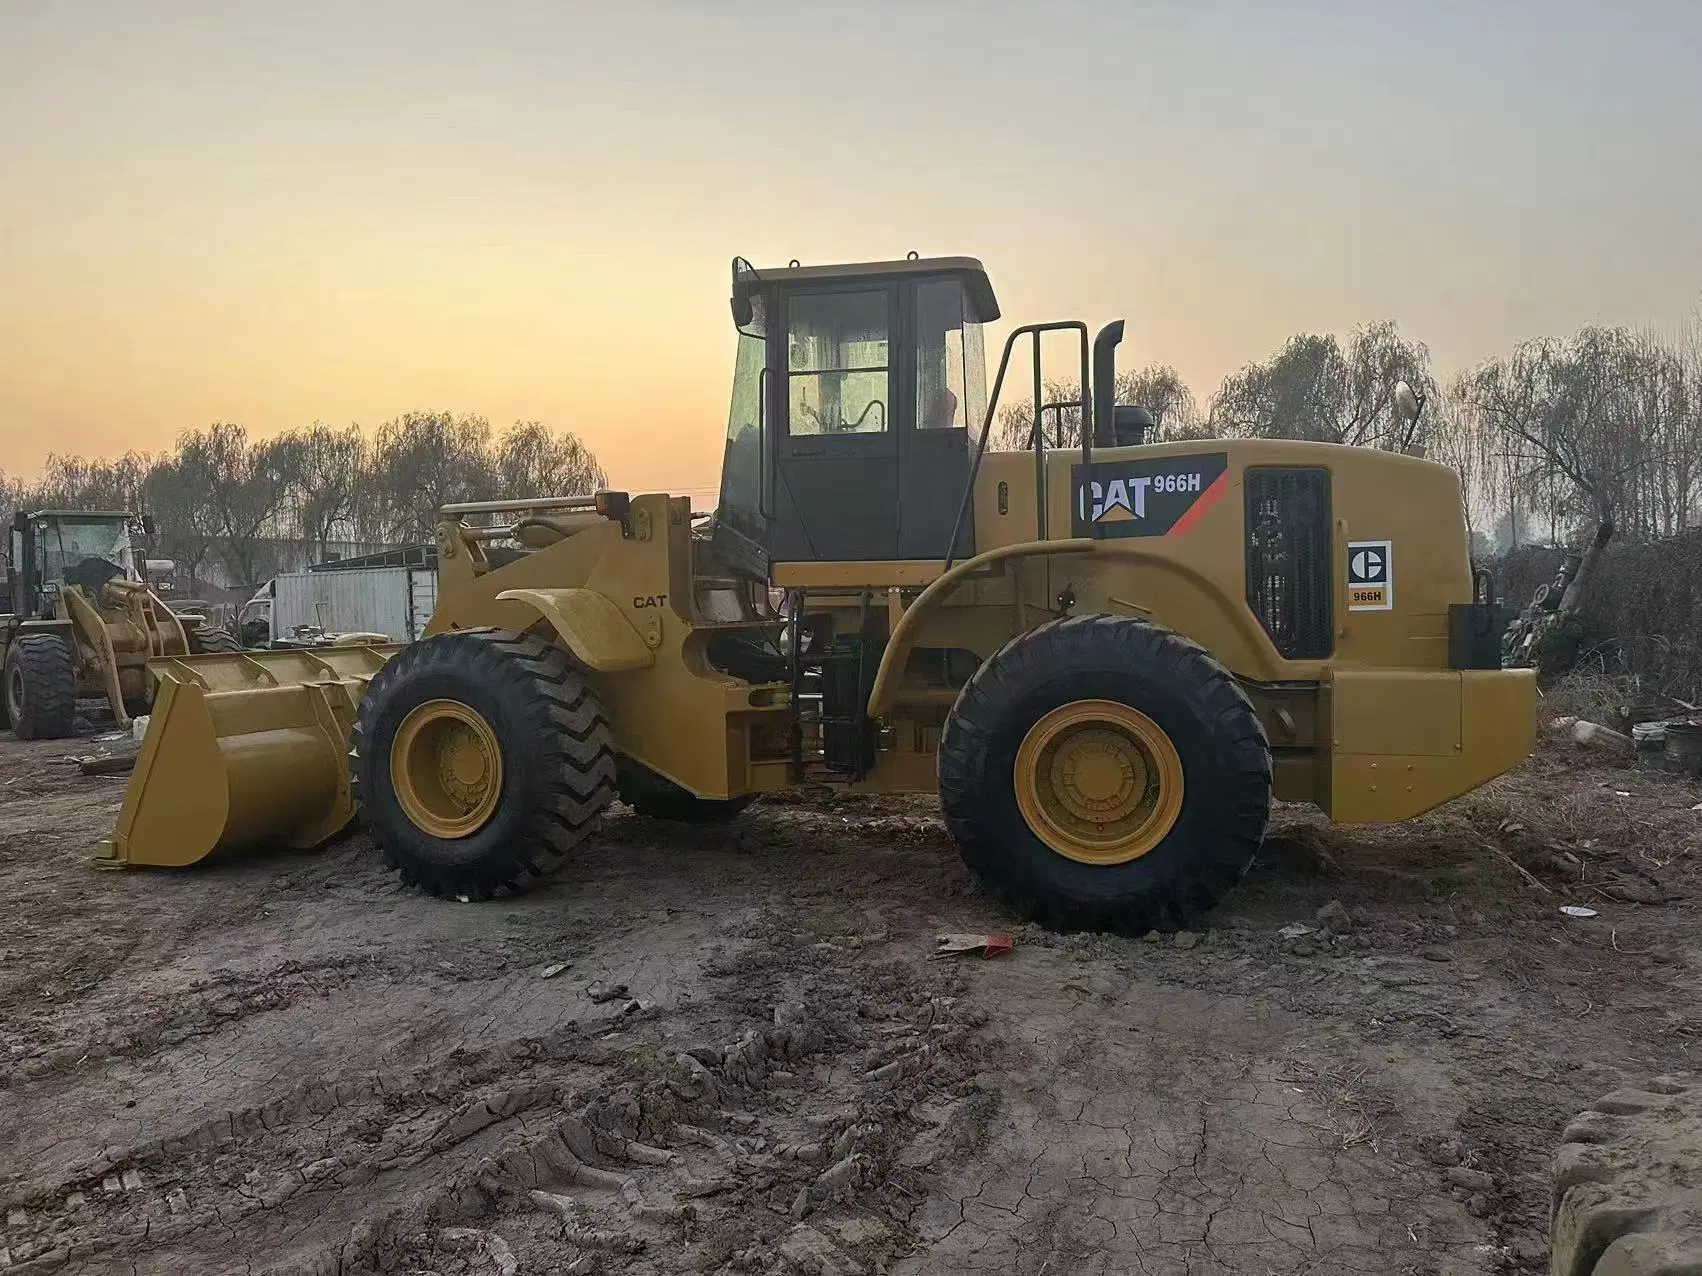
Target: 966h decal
(1160,496)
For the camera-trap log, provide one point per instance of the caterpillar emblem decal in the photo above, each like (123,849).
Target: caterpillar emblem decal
(1159,496)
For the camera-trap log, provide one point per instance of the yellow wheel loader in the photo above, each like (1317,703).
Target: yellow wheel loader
(1107,658)
(81,622)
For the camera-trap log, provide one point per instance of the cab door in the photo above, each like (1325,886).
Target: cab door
(934,439)
(836,410)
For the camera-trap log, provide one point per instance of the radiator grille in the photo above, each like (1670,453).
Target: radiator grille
(1288,559)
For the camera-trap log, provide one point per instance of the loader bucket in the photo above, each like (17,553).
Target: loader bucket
(243,749)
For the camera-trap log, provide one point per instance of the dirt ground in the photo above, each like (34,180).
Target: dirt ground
(729,1050)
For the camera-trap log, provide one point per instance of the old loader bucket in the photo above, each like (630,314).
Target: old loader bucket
(244,749)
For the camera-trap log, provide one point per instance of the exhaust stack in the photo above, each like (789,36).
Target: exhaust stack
(1105,384)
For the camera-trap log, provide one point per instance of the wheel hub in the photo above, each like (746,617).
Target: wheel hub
(1098,776)
(446,768)
(1098,782)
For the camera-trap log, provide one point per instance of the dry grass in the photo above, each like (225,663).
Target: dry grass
(1592,695)
(1601,697)
(1677,1023)
(1568,821)
(1349,1118)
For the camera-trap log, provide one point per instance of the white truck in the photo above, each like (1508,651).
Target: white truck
(341,598)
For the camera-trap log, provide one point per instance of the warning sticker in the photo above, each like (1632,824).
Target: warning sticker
(1370,576)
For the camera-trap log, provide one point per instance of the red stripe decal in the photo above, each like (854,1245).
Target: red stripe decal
(1208,498)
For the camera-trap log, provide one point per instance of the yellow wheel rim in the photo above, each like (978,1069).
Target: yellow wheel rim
(1098,782)
(446,768)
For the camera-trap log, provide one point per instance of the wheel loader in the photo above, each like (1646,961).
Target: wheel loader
(81,621)
(1108,659)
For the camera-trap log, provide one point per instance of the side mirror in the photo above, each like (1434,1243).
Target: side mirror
(743,310)
(148,528)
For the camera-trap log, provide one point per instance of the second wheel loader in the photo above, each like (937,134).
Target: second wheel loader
(1108,659)
(82,622)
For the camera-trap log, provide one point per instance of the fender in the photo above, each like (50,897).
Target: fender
(1126,577)
(904,632)
(595,630)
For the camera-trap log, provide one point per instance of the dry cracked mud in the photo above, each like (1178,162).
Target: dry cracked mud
(289,1064)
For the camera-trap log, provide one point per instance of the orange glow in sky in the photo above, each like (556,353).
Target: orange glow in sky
(276,214)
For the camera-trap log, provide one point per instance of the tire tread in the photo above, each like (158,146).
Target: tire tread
(207,641)
(1626,1200)
(49,673)
(570,735)
(1102,643)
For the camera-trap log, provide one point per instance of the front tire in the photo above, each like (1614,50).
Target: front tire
(479,760)
(206,641)
(41,687)
(1103,773)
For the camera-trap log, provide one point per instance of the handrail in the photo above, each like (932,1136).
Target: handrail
(1041,522)
(1033,330)
(525,503)
(762,476)
(1037,439)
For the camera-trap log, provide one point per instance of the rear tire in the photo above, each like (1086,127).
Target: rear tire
(206,641)
(1627,1200)
(41,687)
(658,798)
(1182,732)
(518,698)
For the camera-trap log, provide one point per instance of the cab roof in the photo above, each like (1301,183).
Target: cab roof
(971,273)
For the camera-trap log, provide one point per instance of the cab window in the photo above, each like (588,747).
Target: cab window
(950,378)
(741,467)
(837,367)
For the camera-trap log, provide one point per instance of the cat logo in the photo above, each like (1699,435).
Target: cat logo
(1158,497)
(1370,576)
(1120,499)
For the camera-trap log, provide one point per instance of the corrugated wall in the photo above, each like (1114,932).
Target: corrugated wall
(375,600)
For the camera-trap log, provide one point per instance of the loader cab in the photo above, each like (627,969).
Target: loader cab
(50,549)
(858,396)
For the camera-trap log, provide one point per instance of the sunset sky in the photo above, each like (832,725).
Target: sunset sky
(342,210)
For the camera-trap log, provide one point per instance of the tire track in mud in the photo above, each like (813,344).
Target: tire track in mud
(653,1141)
(70,1034)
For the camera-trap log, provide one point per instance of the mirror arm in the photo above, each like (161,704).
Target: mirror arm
(1412,425)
